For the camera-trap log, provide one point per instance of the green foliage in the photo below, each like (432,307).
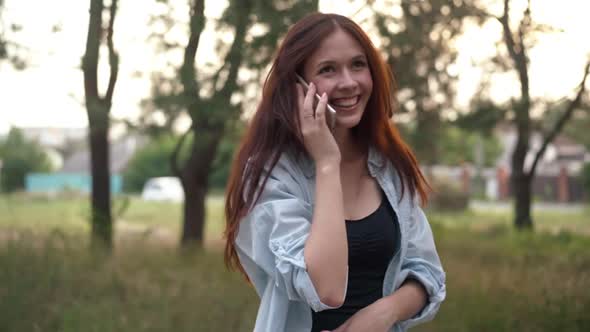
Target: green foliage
(267,22)
(276,17)
(20,157)
(586,179)
(225,152)
(3,51)
(150,161)
(153,160)
(458,146)
(483,118)
(418,45)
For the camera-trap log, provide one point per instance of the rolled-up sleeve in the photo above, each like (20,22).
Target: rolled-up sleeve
(272,237)
(422,263)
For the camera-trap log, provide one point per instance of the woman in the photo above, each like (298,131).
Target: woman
(326,224)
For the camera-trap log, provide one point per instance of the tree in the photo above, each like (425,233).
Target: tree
(461,146)
(213,98)
(517,42)
(3,51)
(98,109)
(20,157)
(9,50)
(418,46)
(208,115)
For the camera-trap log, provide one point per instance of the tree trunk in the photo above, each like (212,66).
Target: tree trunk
(98,109)
(522,184)
(194,209)
(101,187)
(521,179)
(195,182)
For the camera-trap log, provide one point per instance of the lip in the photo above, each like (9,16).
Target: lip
(346,108)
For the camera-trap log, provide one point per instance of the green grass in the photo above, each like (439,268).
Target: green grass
(501,280)
(69,215)
(497,279)
(65,288)
(577,222)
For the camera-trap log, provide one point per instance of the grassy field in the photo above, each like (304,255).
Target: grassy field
(498,280)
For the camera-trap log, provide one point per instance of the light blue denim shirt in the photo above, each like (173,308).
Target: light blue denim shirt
(271,240)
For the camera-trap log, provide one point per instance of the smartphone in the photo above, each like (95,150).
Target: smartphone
(330,114)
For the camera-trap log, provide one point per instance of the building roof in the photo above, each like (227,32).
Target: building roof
(121,152)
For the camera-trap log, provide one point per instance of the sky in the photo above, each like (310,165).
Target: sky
(49,92)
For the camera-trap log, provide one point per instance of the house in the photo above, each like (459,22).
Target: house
(557,173)
(75,171)
(556,176)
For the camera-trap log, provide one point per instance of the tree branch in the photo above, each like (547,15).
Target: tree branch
(90,60)
(215,78)
(113,56)
(235,55)
(188,73)
(516,50)
(562,120)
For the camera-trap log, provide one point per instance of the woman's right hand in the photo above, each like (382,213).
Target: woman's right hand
(317,137)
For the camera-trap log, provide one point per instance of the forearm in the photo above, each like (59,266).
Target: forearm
(326,249)
(407,301)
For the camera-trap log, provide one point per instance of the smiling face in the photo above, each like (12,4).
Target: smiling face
(339,68)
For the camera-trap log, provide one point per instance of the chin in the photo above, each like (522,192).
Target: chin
(348,122)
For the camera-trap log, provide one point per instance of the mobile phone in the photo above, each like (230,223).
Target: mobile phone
(330,114)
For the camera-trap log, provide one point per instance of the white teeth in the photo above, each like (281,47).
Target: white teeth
(345,102)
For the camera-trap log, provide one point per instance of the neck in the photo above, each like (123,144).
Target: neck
(350,149)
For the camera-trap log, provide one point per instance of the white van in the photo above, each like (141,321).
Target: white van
(167,188)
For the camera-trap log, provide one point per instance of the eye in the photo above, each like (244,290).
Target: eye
(326,69)
(359,63)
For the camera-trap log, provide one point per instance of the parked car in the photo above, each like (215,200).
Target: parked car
(166,188)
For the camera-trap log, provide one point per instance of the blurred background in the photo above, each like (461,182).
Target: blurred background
(119,120)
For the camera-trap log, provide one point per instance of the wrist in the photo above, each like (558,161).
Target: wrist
(393,314)
(327,166)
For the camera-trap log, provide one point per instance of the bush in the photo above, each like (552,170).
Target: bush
(448,196)
(20,157)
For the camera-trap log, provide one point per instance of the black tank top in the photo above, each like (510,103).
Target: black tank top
(372,242)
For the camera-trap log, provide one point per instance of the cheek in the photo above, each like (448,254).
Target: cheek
(368,82)
(324,86)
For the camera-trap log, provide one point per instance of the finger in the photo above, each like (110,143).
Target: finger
(300,95)
(300,99)
(308,102)
(303,114)
(320,110)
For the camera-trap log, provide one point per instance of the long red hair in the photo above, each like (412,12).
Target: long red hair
(275,126)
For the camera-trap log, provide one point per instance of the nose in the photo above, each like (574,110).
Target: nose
(347,80)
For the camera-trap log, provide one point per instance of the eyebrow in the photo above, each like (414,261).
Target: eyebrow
(327,62)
